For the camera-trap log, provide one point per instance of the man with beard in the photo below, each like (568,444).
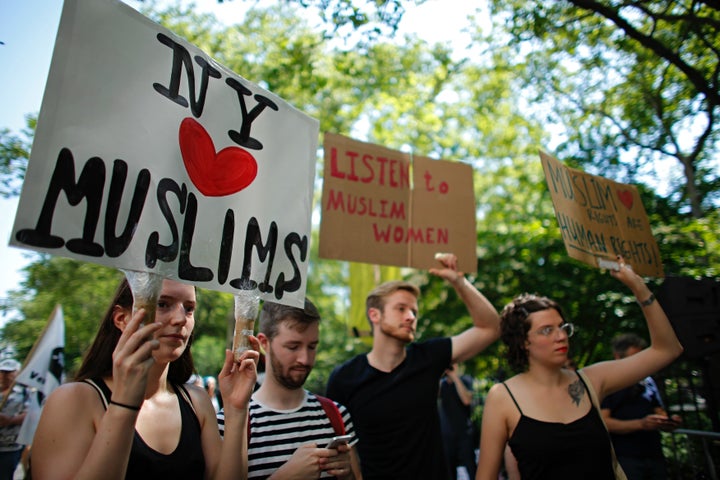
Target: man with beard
(392,391)
(290,427)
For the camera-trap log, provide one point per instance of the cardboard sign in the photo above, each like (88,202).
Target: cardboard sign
(600,219)
(383,207)
(151,156)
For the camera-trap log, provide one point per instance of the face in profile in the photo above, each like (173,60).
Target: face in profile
(398,318)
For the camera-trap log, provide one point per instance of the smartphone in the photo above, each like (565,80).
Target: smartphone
(335,441)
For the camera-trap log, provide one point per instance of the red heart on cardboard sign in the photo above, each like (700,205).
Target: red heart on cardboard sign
(626,198)
(215,174)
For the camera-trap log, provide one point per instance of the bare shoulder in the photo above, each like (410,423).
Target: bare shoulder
(502,407)
(597,373)
(75,404)
(80,393)
(498,394)
(200,400)
(197,394)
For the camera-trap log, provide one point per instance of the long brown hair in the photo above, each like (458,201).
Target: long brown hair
(98,360)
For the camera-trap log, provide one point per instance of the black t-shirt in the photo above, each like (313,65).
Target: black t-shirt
(395,414)
(454,414)
(631,403)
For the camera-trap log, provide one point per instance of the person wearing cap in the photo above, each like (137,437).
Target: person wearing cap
(14,401)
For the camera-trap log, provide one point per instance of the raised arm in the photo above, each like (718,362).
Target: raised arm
(486,321)
(611,376)
(76,437)
(237,381)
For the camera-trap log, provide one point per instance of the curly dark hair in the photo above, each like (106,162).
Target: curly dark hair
(514,326)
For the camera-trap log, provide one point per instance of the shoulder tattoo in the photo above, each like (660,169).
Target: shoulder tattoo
(576,391)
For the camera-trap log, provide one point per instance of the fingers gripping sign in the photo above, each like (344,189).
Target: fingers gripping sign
(132,357)
(449,272)
(237,379)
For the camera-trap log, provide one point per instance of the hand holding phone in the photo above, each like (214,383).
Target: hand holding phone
(340,439)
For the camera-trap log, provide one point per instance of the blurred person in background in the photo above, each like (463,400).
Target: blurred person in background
(14,401)
(635,416)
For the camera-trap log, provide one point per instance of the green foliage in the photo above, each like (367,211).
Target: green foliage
(631,83)
(208,354)
(14,154)
(82,289)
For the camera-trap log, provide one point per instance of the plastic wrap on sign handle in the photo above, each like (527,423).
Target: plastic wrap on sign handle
(145,287)
(247,303)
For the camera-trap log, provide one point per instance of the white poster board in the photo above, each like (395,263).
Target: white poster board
(151,156)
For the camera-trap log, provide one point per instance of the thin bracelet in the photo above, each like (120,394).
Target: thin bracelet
(647,302)
(124,405)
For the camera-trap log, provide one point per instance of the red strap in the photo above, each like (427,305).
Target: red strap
(332,412)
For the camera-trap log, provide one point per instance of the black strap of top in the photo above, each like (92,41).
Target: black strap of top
(518,406)
(104,392)
(102,389)
(513,398)
(591,393)
(182,391)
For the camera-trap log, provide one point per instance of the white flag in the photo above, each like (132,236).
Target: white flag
(32,417)
(43,371)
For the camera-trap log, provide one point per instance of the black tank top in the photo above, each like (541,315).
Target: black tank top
(186,462)
(579,449)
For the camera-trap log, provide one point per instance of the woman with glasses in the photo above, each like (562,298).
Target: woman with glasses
(546,413)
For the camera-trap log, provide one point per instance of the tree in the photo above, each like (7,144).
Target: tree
(14,154)
(633,83)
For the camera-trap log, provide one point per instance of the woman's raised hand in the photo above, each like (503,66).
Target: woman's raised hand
(132,359)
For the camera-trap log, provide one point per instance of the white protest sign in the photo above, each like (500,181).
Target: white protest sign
(151,156)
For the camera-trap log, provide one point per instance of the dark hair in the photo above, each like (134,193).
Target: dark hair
(98,360)
(272,314)
(376,298)
(514,326)
(621,343)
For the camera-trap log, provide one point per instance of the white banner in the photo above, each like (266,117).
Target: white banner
(151,156)
(32,418)
(43,369)
(42,372)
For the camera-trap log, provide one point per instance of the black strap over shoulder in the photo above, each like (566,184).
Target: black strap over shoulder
(513,397)
(102,389)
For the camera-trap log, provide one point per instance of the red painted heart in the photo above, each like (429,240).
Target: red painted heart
(626,198)
(214,174)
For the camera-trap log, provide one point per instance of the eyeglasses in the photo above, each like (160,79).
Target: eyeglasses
(552,330)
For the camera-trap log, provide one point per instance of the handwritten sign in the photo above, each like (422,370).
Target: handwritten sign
(151,156)
(385,207)
(600,219)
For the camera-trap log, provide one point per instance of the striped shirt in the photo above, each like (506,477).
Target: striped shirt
(276,434)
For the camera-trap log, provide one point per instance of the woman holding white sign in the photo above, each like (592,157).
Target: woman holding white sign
(130,413)
(549,415)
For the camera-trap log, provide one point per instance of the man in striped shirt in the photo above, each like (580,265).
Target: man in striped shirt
(289,426)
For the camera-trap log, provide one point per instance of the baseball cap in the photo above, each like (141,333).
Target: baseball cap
(9,365)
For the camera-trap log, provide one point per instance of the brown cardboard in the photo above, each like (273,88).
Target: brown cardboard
(382,206)
(600,219)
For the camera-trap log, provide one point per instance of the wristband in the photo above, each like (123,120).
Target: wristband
(647,302)
(124,405)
